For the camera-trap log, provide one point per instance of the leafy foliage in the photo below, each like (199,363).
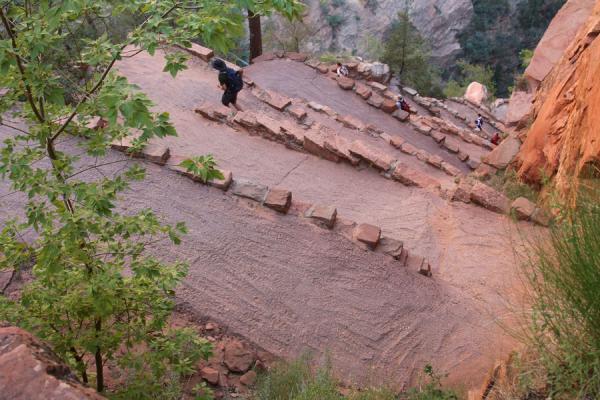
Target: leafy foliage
(203,167)
(497,34)
(407,53)
(564,277)
(97,295)
(298,380)
(432,390)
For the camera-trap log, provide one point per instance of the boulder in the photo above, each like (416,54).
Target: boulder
(388,106)
(378,87)
(522,208)
(408,149)
(315,106)
(439,137)
(558,37)
(340,146)
(264,57)
(314,143)
(410,91)
(380,72)
(434,160)
(462,156)
(204,53)
(275,100)
(476,93)
(450,169)
(484,171)
(490,198)
(247,119)
(504,153)
(363,91)
(312,62)
(294,56)
(391,247)
(367,234)
(269,127)
(473,164)
(322,215)
(397,141)
(375,157)
(329,111)
(279,200)
(451,146)
(375,100)
(463,191)
(29,370)
(248,378)
(156,153)
(424,129)
(213,112)
(237,357)
(410,177)
(323,68)
(401,115)
(249,190)
(298,112)
(210,375)
(345,83)
(422,155)
(224,183)
(350,121)
(541,217)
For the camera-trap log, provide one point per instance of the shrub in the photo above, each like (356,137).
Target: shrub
(432,390)
(564,277)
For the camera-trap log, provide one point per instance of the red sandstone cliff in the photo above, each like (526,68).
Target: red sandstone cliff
(564,139)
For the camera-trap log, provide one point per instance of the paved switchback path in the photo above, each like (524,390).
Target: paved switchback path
(290,286)
(471,249)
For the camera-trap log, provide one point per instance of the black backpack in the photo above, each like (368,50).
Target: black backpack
(235,80)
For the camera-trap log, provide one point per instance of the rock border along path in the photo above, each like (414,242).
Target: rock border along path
(337,148)
(298,110)
(381,97)
(280,200)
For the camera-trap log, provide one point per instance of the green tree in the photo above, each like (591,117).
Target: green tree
(97,295)
(408,56)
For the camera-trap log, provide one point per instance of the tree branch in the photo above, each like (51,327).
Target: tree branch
(20,65)
(103,77)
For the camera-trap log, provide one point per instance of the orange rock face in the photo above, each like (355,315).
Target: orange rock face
(564,139)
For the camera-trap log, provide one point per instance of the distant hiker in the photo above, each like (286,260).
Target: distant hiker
(342,70)
(230,82)
(479,122)
(496,139)
(403,104)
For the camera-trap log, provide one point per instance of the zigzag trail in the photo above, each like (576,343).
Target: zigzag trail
(290,286)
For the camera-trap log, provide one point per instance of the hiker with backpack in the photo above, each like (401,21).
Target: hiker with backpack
(230,82)
(479,122)
(402,104)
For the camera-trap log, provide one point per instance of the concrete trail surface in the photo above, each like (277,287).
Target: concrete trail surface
(289,286)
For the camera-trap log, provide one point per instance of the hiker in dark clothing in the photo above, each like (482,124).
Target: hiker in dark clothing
(479,122)
(230,82)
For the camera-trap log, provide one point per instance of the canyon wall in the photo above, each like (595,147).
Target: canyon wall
(563,140)
(438,20)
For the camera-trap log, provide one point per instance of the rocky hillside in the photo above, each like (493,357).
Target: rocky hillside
(437,20)
(564,140)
